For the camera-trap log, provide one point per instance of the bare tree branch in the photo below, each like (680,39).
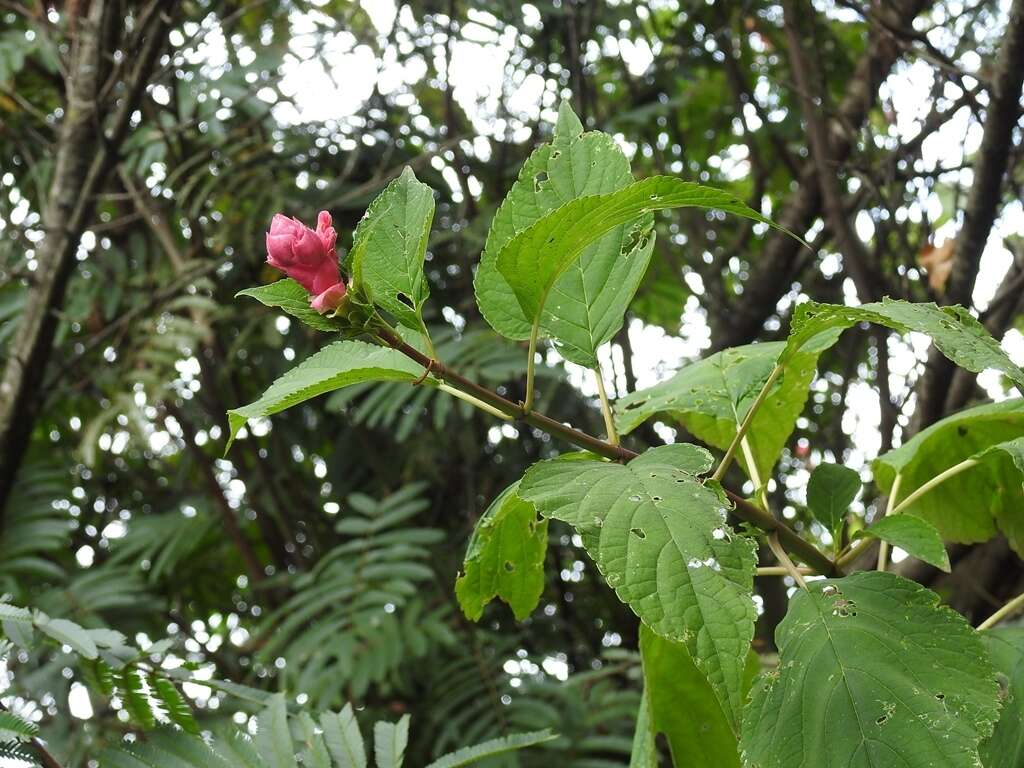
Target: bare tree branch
(983,205)
(774,270)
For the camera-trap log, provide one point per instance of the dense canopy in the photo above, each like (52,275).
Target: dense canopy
(152,581)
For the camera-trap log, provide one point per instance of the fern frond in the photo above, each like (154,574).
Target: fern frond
(132,689)
(343,738)
(174,705)
(273,737)
(98,676)
(14,613)
(358,616)
(15,728)
(17,754)
(314,754)
(498,746)
(389,742)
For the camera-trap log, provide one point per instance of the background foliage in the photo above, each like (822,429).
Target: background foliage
(320,558)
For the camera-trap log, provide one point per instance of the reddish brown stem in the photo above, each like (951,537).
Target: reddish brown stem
(790,539)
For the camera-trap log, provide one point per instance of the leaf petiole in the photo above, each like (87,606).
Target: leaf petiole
(1014,606)
(747,420)
(778,570)
(606,407)
(890,509)
(940,478)
(755,477)
(782,557)
(468,398)
(530,363)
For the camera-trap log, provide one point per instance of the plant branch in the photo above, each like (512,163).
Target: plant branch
(744,510)
(46,759)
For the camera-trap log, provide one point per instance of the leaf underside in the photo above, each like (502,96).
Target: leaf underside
(917,537)
(505,558)
(683,707)
(997,479)
(710,397)
(289,296)
(955,332)
(1005,748)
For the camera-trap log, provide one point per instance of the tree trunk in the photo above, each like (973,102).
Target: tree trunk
(83,160)
(983,204)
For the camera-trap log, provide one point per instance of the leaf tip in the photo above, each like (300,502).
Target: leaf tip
(235,422)
(568,124)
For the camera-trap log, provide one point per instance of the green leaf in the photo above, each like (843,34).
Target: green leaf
(918,537)
(710,398)
(343,739)
(237,750)
(1005,748)
(133,692)
(830,492)
(291,297)
(17,753)
(644,753)
(67,633)
(273,737)
(14,728)
(241,692)
(165,747)
(389,742)
(469,755)
(997,479)
(13,613)
(389,247)
(590,299)
(505,558)
(335,366)
(956,333)
(99,676)
(660,538)
(872,672)
(19,633)
(536,257)
(684,707)
(105,637)
(315,754)
(175,707)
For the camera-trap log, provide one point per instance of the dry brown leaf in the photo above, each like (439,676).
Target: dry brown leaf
(937,261)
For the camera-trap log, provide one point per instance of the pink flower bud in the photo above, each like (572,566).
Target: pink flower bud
(303,254)
(330,299)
